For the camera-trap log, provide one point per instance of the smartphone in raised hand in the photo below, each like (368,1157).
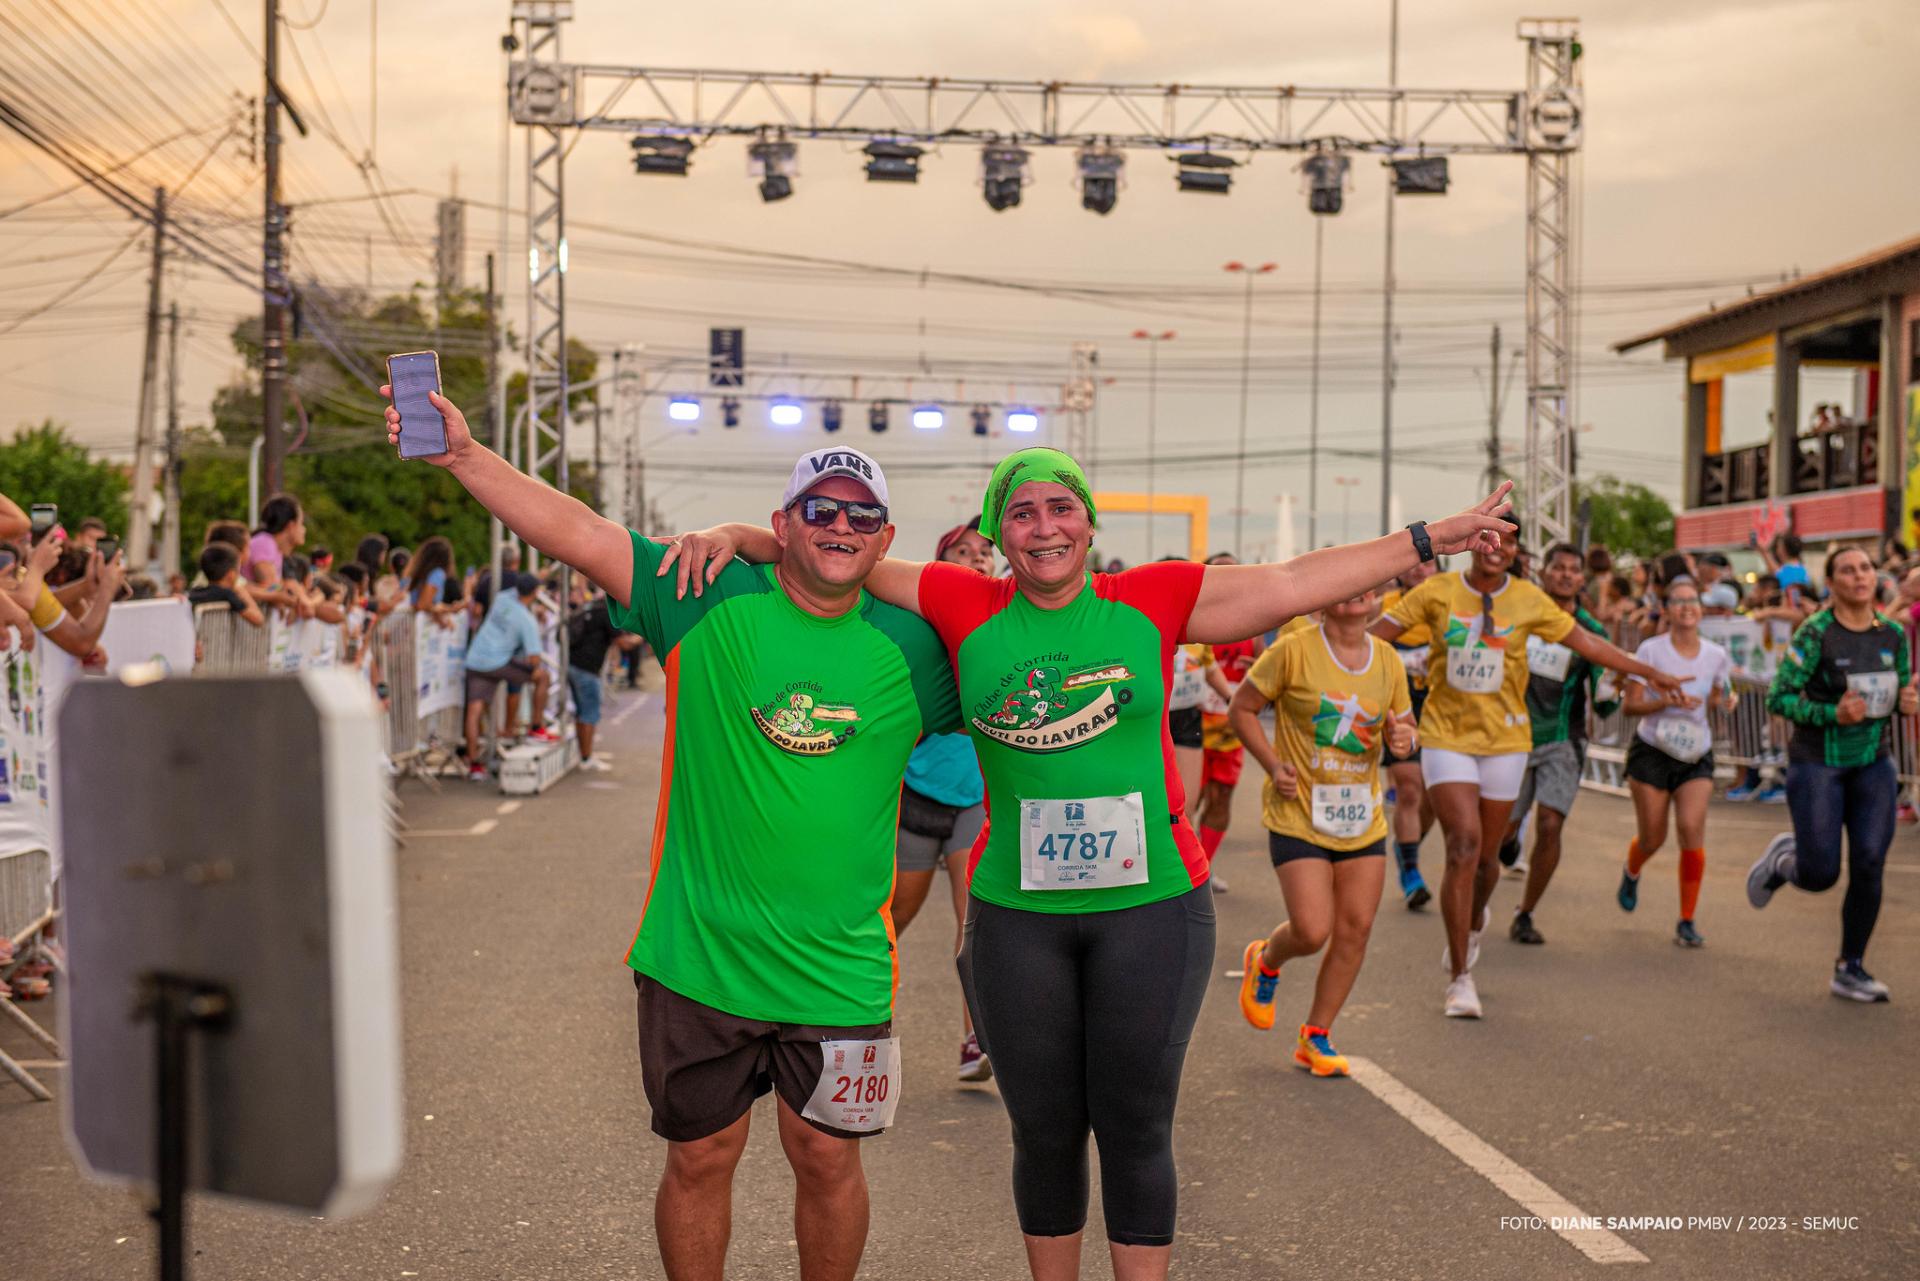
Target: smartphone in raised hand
(44,517)
(108,549)
(412,375)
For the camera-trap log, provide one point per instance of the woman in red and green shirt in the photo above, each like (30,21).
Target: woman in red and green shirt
(1090,927)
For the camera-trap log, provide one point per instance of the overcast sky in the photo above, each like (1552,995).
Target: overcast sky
(1727,142)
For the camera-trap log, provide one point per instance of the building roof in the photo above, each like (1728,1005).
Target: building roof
(1896,265)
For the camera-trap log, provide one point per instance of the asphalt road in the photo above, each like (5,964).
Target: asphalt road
(1627,1076)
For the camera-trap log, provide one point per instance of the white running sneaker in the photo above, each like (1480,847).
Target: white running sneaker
(1463,1002)
(1771,870)
(1473,943)
(594,765)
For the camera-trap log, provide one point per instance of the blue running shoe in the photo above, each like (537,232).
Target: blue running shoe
(1414,889)
(1629,895)
(1744,792)
(1774,795)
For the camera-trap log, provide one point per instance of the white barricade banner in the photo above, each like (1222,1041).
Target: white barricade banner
(1744,641)
(280,651)
(36,682)
(300,644)
(558,691)
(149,631)
(440,664)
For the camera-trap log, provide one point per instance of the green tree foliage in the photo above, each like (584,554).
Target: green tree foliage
(43,465)
(342,469)
(1626,517)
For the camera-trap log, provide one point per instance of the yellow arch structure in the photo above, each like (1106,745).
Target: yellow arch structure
(1192,506)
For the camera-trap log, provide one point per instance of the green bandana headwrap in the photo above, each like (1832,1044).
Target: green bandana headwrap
(1016,469)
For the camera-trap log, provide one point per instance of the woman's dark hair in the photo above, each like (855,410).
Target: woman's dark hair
(1673,565)
(435,553)
(230,532)
(1834,556)
(353,572)
(371,551)
(277,513)
(1621,585)
(397,560)
(297,568)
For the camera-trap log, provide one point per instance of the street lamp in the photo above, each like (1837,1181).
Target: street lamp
(1153,341)
(1346,484)
(1246,362)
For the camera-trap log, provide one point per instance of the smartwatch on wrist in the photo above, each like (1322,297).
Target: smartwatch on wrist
(1421,543)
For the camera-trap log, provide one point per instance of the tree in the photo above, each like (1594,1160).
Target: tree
(340,466)
(1627,517)
(43,465)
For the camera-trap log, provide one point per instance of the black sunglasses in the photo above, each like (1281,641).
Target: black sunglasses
(862,518)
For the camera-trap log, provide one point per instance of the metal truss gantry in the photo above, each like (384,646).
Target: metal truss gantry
(1542,122)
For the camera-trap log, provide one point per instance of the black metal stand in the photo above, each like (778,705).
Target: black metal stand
(176,1006)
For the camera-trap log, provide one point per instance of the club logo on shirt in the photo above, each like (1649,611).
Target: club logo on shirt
(1046,707)
(1472,630)
(1348,723)
(797,721)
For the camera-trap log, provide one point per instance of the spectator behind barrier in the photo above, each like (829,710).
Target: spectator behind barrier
(506,648)
(283,527)
(89,532)
(432,584)
(220,565)
(77,629)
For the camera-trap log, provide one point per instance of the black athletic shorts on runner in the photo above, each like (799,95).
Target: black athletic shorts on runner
(1184,728)
(1417,695)
(1287,849)
(1657,768)
(702,1068)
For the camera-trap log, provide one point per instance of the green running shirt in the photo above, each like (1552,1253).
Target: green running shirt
(1071,704)
(773,839)
(1814,674)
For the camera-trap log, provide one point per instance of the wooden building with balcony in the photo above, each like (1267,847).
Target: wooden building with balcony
(1803,407)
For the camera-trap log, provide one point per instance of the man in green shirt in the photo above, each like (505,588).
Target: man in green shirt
(764,958)
(1559,683)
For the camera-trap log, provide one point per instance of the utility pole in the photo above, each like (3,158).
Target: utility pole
(170,477)
(599,490)
(273,329)
(140,506)
(1496,407)
(1313,398)
(1153,342)
(497,412)
(1386,321)
(1246,367)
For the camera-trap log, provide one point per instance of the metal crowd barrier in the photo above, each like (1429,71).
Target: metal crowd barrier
(26,910)
(229,644)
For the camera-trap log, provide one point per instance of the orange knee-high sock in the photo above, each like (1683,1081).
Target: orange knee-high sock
(1693,865)
(1636,857)
(1210,838)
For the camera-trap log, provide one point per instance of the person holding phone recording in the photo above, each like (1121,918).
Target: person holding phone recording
(1670,761)
(764,959)
(1844,675)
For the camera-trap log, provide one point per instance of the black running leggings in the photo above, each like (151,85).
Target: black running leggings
(1086,1018)
(1824,800)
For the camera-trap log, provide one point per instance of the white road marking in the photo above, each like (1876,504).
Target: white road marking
(1493,1165)
(508,807)
(484,826)
(632,707)
(481,828)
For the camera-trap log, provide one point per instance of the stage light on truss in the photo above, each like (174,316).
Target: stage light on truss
(785,413)
(729,412)
(683,409)
(1003,172)
(982,418)
(1022,420)
(776,163)
(1205,171)
(877,416)
(669,156)
(1100,169)
(1326,174)
(929,418)
(1420,176)
(830,416)
(893,161)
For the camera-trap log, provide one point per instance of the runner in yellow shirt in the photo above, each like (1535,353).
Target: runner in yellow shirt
(1475,736)
(1412,815)
(1337,693)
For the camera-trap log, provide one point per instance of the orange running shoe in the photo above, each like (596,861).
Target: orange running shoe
(1256,989)
(1315,1053)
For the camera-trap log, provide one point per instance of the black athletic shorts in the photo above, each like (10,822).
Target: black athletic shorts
(1285,849)
(1183,726)
(702,1068)
(1656,768)
(1417,694)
